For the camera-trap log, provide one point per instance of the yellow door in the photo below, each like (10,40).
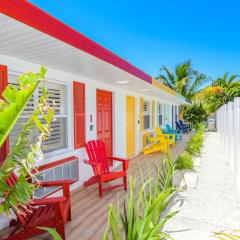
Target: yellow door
(130,106)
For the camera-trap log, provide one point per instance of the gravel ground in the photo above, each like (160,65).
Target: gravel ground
(211,205)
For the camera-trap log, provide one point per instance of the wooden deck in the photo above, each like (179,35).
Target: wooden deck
(89,212)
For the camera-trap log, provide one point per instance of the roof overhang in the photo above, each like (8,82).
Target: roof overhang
(29,14)
(30,34)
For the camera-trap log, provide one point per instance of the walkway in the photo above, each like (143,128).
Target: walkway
(212,205)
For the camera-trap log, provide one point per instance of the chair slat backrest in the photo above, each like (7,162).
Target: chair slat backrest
(178,125)
(181,123)
(169,129)
(97,153)
(26,213)
(159,131)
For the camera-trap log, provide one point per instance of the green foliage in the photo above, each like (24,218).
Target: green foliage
(184,80)
(142,216)
(196,142)
(184,161)
(194,113)
(232,235)
(212,99)
(24,154)
(15,101)
(52,232)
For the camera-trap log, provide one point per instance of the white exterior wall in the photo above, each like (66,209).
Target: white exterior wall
(17,66)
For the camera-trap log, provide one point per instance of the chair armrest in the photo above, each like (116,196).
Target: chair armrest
(168,135)
(55,183)
(124,162)
(117,159)
(65,184)
(92,163)
(45,201)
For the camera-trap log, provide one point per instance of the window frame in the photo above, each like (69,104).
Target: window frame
(69,142)
(149,114)
(160,113)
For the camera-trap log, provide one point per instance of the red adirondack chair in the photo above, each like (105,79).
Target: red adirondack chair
(51,212)
(99,161)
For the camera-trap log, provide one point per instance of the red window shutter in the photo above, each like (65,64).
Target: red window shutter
(3,83)
(79,115)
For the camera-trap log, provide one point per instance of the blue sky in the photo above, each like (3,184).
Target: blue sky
(155,32)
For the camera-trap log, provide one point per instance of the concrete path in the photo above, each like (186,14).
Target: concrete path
(212,205)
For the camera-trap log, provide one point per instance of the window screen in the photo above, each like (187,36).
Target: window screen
(57,96)
(160,117)
(147,115)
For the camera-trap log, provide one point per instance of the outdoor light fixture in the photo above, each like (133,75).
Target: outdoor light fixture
(122,82)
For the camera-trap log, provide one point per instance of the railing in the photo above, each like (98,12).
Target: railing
(228,126)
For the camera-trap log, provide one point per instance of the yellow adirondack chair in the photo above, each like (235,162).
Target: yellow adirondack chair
(155,145)
(169,138)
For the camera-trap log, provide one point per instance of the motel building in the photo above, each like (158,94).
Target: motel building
(98,94)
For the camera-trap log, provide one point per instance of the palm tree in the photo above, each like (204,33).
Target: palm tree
(230,84)
(184,80)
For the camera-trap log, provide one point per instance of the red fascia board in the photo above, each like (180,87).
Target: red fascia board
(29,14)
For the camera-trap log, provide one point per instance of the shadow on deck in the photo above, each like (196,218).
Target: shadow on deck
(89,212)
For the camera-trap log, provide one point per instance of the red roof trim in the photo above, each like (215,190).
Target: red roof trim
(33,16)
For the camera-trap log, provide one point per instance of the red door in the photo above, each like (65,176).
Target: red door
(104,119)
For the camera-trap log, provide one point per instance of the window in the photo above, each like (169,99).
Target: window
(160,122)
(147,115)
(57,95)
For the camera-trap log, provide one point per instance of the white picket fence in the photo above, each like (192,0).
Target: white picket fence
(228,126)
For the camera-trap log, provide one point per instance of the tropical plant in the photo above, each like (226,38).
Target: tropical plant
(15,100)
(184,161)
(184,80)
(22,158)
(195,143)
(142,217)
(52,232)
(222,90)
(194,113)
(228,235)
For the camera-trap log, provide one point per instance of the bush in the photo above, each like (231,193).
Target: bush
(142,216)
(196,142)
(194,114)
(184,161)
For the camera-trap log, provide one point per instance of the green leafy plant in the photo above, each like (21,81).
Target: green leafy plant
(232,235)
(15,100)
(184,79)
(184,161)
(194,113)
(24,154)
(142,216)
(52,232)
(195,144)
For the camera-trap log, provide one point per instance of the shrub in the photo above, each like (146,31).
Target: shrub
(142,216)
(194,114)
(184,161)
(196,142)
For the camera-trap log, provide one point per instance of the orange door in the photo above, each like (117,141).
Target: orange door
(104,119)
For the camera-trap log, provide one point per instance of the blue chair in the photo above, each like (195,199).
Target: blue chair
(184,124)
(183,128)
(178,133)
